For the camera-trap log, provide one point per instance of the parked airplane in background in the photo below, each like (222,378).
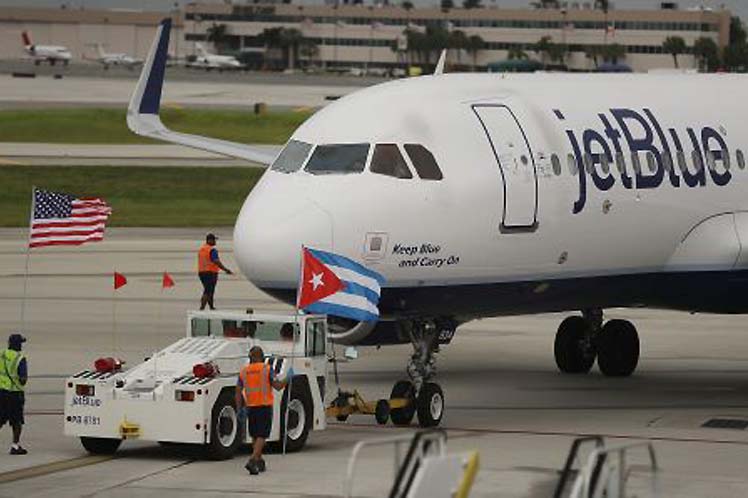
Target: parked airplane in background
(207,61)
(481,195)
(49,53)
(108,59)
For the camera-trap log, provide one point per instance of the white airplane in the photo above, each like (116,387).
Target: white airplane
(482,195)
(49,53)
(208,61)
(109,59)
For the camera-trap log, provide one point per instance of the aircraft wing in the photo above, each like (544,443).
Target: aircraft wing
(142,112)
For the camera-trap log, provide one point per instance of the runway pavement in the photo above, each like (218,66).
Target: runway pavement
(225,92)
(504,395)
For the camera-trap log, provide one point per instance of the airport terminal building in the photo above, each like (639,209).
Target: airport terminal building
(368,35)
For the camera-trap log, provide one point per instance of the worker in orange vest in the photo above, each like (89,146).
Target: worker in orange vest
(208,266)
(254,390)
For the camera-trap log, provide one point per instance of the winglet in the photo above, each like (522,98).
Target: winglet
(441,63)
(142,112)
(147,96)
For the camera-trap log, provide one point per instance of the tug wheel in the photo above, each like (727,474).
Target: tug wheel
(382,411)
(403,389)
(225,431)
(300,416)
(100,445)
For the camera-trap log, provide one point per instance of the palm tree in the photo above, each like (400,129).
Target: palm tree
(593,52)
(603,5)
(475,44)
(309,50)
(408,5)
(516,53)
(471,4)
(447,5)
(674,45)
(458,40)
(558,52)
(290,39)
(217,34)
(613,52)
(545,4)
(543,48)
(707,52)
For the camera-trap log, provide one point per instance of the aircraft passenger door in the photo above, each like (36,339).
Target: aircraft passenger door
(516,164)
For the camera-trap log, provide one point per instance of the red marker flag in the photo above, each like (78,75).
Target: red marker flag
(317,281)
(119,280)
(167,281)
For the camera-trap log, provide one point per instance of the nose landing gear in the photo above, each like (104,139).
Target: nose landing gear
(426,397)
(581,339)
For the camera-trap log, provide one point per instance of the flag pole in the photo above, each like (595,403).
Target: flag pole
(28,258)
(293,345)
(114,319)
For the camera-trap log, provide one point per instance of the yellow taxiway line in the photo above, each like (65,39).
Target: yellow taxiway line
(51,468)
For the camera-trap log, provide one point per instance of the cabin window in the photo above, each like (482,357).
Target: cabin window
(710,161)
(740,158)
(388,161)
(621,162)
(651,162)
(424,162)
(338,159)
(572,160)
(635,162)
(556,164)
(588,163)
(667,160)
(682,164)
(697,161)
(604,163)
(292,157)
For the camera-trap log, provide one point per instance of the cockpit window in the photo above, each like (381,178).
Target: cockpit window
(424,162)
(292,157)
(337,159)
(387,160)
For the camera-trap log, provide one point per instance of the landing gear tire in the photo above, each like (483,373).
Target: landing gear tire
(100,445)
(225,430)
(403,416)
(382,412)
(430,405)
(618,348)
(300,417)
(572,348)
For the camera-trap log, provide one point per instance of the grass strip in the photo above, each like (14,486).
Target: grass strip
(140,196)
(107,126)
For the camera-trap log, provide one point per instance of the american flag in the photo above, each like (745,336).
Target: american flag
(63,219)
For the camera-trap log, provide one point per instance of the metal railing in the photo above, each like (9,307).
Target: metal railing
(614,472)
(420,445)
(571,457)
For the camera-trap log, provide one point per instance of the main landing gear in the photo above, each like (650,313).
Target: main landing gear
(426,398)
(582,339)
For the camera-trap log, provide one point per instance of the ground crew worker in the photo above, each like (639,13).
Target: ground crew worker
(13,378)
(254,394)
(208,265)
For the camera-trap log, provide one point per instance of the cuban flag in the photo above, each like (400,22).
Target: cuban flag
(335,285)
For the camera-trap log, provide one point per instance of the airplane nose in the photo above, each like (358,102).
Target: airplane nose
(270,231)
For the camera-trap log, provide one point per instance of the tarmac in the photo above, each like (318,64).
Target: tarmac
(504,396)
(222,91)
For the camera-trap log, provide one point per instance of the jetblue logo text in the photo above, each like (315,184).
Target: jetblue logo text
(625,133)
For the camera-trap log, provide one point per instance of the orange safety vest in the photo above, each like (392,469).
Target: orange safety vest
(204,263)
(256,381)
